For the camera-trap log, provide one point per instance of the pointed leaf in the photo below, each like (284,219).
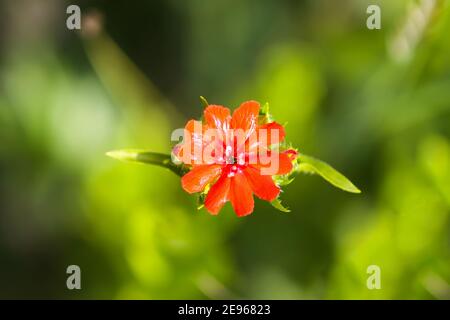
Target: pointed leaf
(311,165)
(147,157)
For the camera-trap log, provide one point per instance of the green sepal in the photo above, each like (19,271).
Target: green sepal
(277,205)
(265,114)
(204,101)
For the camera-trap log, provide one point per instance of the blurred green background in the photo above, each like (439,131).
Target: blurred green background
(375,104)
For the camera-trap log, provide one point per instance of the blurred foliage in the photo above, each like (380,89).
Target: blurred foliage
(375,104)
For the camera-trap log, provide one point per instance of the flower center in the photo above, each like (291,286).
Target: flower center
(233,169)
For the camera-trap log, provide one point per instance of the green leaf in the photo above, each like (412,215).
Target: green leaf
(277,205)
(314,166)
(147,157)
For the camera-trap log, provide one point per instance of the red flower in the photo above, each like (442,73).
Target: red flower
(235,166)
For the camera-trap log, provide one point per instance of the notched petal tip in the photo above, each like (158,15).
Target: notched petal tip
(217,116)
(245,116)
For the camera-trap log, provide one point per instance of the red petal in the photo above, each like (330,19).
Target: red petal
(241,195)
(262,186)
(284,162)
(262,137)
(197,179)
(218,195)
(190,125)
(246,117)
(193,136)
(271,128)
(217,116)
